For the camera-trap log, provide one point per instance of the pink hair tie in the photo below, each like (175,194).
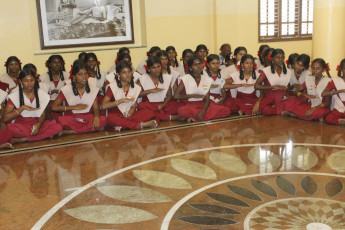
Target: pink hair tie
(338,67)
(258,53)
(287,62)
(239,66)
(328,69)
(145,66)
(255,66)
(117,60)
(99,63)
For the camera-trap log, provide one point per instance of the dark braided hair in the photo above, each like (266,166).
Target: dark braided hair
(323,64)
(261,49)
(123,56)
(173,49)
(244,58)
(342,64)
(265,57)
(191,60)
(150,62)
(93,55)
(77,66)
(184,54)
(123,50)
(81,56)
(154,49)
(32,67)
(200,47)
(274,53)
(62,68)
(237,50)
(292,59)
(305,59)
(13,58)
(165,54)
(22,74)
(210,58)
(119,67)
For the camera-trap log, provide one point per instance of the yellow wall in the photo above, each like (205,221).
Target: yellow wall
(182,23)
(329,39)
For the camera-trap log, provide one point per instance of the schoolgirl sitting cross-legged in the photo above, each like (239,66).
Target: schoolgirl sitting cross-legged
(157,94)
(316,106)
(26,107)
(247,98)
(78,101)
(336,89)
(195,89)
(274,80)
(121,101)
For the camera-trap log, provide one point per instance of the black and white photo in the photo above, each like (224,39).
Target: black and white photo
(71,23)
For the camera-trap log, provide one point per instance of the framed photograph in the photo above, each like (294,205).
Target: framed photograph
(75,23)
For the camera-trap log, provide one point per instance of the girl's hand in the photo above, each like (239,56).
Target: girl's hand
(28,108)
(247,85)
(310,96)
(55,91)
(256,109)
(309,112)
(125,100)
(298,87)
(197,96)
(80,107)
(95,123)
(35,129)
(221,102)
(280,87)
(156,90)
(161,107)
(200,116)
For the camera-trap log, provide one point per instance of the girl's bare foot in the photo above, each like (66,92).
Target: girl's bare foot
(19,140)
(176,118)
(288,114)
(190,120)
(341,121)
(65,132)
(6,146)
(149,124)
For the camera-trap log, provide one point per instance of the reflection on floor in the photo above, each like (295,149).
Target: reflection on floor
(252,173)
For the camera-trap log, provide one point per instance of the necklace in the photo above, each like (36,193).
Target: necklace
(81,93)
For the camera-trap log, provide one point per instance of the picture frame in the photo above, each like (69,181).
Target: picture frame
(79,23)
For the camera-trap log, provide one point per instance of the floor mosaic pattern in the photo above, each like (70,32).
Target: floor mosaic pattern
(255,173)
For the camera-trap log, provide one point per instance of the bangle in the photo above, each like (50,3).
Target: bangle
(299,94)
(17,112)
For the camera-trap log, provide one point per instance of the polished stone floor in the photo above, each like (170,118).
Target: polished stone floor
(235,173)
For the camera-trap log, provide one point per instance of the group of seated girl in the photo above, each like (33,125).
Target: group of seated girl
(198,88)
